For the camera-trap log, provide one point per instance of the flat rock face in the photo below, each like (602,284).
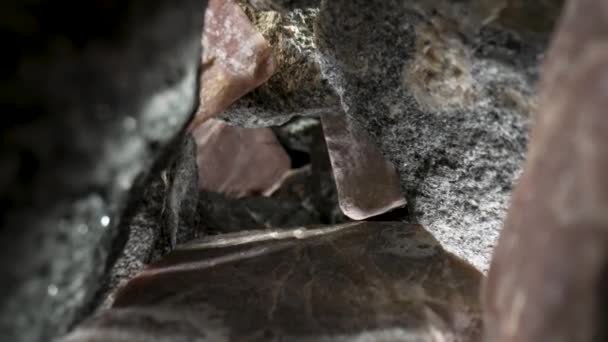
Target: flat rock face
(357,281)
(368,184)
(236,58)
(238,161)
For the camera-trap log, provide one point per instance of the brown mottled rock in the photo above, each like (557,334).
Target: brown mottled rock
(236,58)
(238,161)
(368,184)
(549,277)
(362,281)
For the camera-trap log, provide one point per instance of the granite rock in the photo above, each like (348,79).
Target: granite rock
(446,96)
(444,88)
(89,100)
(351,282)
(549,275)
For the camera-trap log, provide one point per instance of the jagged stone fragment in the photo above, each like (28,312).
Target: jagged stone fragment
(296,88)
(368,184)
(236,58)
(443,87)
(352,282)
(549,276)
(238,161)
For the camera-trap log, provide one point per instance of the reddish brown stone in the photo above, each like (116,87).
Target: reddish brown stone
(236,58)
(368,184)
(549,277)
(239,161)
(361,281)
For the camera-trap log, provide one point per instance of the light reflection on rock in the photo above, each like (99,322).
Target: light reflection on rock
(368,184)
(238,161)
(236,58)
(332,283)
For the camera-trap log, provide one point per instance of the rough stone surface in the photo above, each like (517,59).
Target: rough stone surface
(296,88)
(238,161)
(236,58)
(368,184)
(549,275)
(88,101)
(445,89)
(446,98)
(351,282)
(167,213)
(221,215)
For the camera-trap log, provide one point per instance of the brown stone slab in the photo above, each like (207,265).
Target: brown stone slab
(361,281)
(236,58)
(238,161)
(368,184)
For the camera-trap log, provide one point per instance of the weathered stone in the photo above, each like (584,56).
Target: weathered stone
(368,184)
(166,214)
(549,275)
(297,88)
(445,89)
(238,161)
(236,59)
(444,93)
(88,101)
(352,282)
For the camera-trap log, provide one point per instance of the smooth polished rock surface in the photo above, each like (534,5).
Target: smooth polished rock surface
(352,282)
(368,184)
(238,161)
(549,276)
(236,59)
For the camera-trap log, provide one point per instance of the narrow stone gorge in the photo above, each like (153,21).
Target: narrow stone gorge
(304,170)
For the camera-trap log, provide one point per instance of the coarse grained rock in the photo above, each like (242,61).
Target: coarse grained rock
(549,275)
(445,88)
(239,161)
(446,91)
(89,99)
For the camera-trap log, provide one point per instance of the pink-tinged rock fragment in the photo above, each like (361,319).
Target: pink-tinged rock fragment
(549,275)
(367,183)
(236,58)
(239,161)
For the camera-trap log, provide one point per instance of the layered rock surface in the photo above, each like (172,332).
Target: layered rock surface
(356,281)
